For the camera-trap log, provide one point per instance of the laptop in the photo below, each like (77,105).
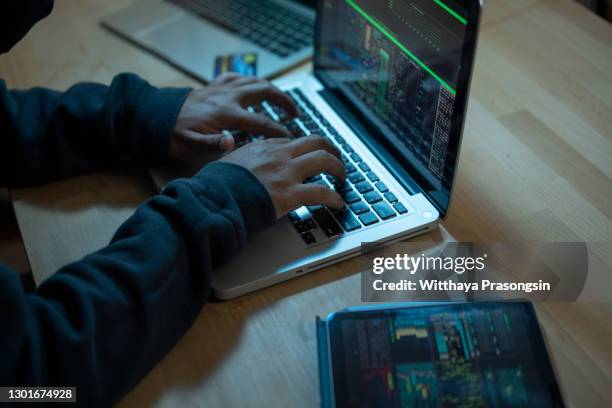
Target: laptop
(193,35)
(389,89)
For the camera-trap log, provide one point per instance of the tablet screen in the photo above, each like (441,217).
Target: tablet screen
(455,355)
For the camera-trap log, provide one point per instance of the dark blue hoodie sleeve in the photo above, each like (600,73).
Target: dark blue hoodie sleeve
(47,135)
(101,323)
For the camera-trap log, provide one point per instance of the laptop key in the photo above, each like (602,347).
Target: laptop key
(347,148)
(308,238)
(360,207)
(372,197)
(327,223)
(356,178)
(347,220)
(364,167)
(383,210)
(310,224)
(356,158)
(381,187)
(372,177)
(300,227)
(351,197)
(343,188)
(400,208)
(332,179)
(364,187)
(313,179)
(314,208)
(390,197)
(368,218)
(350,168)
(321,182)
(298,92)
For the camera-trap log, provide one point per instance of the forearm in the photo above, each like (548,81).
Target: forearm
(47,135)
(103,322)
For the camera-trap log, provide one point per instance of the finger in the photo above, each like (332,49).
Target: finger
(227,143)
(315,194)
(319,161)
(256,123)
(226,78)
(264,91)
(312,143)
(246,80)
(277,140)
(197,145)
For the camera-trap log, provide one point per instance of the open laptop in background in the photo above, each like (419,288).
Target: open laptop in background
(389,89)
(193,34)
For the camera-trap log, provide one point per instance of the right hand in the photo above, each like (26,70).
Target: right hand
(283,164)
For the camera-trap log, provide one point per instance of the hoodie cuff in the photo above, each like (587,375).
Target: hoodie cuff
(251,197)
(156,111)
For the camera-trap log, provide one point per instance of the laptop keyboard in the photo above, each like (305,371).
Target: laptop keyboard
(368,200)
(269,24)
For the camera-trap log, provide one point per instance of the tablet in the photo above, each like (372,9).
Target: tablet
(488,354)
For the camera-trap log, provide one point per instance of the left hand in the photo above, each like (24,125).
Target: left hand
(199,132)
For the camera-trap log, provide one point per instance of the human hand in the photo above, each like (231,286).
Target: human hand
(199,132)
(283,164)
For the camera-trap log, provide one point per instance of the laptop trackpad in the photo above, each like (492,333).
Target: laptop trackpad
(193,44)
(266,254)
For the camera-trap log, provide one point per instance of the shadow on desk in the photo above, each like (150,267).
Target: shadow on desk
(263,340)
(114,188)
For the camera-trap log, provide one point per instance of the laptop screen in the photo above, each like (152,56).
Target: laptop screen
(398,63)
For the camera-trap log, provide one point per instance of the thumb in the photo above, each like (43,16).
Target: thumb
(191,145)
(226,142)
(214,143)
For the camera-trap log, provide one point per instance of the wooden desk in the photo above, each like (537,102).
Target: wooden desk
(535,166)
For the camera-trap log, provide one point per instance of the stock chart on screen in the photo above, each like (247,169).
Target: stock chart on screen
(399,62)
(440,356)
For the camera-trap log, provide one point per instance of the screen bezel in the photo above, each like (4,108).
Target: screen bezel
(540,350)
(313,4)
(405,171)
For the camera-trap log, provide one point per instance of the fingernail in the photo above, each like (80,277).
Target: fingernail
(227,141)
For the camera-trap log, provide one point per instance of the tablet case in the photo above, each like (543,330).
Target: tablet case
(323,354)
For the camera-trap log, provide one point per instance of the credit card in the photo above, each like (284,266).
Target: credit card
(243,64)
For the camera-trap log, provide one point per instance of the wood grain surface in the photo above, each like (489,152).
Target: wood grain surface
(535,166)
